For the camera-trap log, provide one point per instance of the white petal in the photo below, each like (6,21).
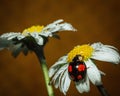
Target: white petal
(67,26)
(57,74)
(102,73)
(93,72)
(61,60)
(55,27)
(105,53)
(83,86)
(56,82)
(56,79)
(62,80)
(59,77)
(19,37)
(52,25)
(65,82)
(57,21)
(10,35)
(37,38)
(56,66)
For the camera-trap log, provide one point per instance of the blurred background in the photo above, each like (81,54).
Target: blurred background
(95,20)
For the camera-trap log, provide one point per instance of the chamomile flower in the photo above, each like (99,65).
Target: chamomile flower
(30,37)
(78,66)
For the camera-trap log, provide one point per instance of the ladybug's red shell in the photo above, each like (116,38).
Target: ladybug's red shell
(77,70)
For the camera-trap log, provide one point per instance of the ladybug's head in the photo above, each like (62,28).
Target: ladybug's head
(78,58)
(77,68)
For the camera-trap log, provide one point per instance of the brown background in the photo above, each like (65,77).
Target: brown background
(96,20)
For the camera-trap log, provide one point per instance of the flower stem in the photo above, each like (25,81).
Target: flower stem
(102,90)
(47,80)
(40,54)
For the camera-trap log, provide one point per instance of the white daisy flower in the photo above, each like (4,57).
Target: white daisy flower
(78,66)
(22,41)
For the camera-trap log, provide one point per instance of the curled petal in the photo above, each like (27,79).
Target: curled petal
(56,22)
(57,65)
(56,79)
(61,79)
(58,73)
(93,72)
(55,27)
(67,26)
(65,82)
(105,53)
(83,86)
(62,69)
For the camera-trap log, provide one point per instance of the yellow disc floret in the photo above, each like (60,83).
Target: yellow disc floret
(32,29)
(84,50)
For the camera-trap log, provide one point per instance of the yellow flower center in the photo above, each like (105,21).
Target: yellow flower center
(84,50)
(32,29)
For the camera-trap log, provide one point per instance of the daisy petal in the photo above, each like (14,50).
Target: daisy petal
(56,82)
(62,78)
(83,86)
(52,25)
(37,38)
(56,66)
(59,79)
(65,82)
(67,26)
(57,74)
(10,35)
(56,22)
(93,72)
(105,53)
(61,60)
(55,27)
(102,73)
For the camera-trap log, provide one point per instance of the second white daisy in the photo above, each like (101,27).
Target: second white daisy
(78,66)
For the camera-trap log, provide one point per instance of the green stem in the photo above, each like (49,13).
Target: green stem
(102,90)
(47,80)
(40,54)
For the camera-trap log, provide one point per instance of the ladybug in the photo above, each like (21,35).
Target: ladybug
(77,69)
